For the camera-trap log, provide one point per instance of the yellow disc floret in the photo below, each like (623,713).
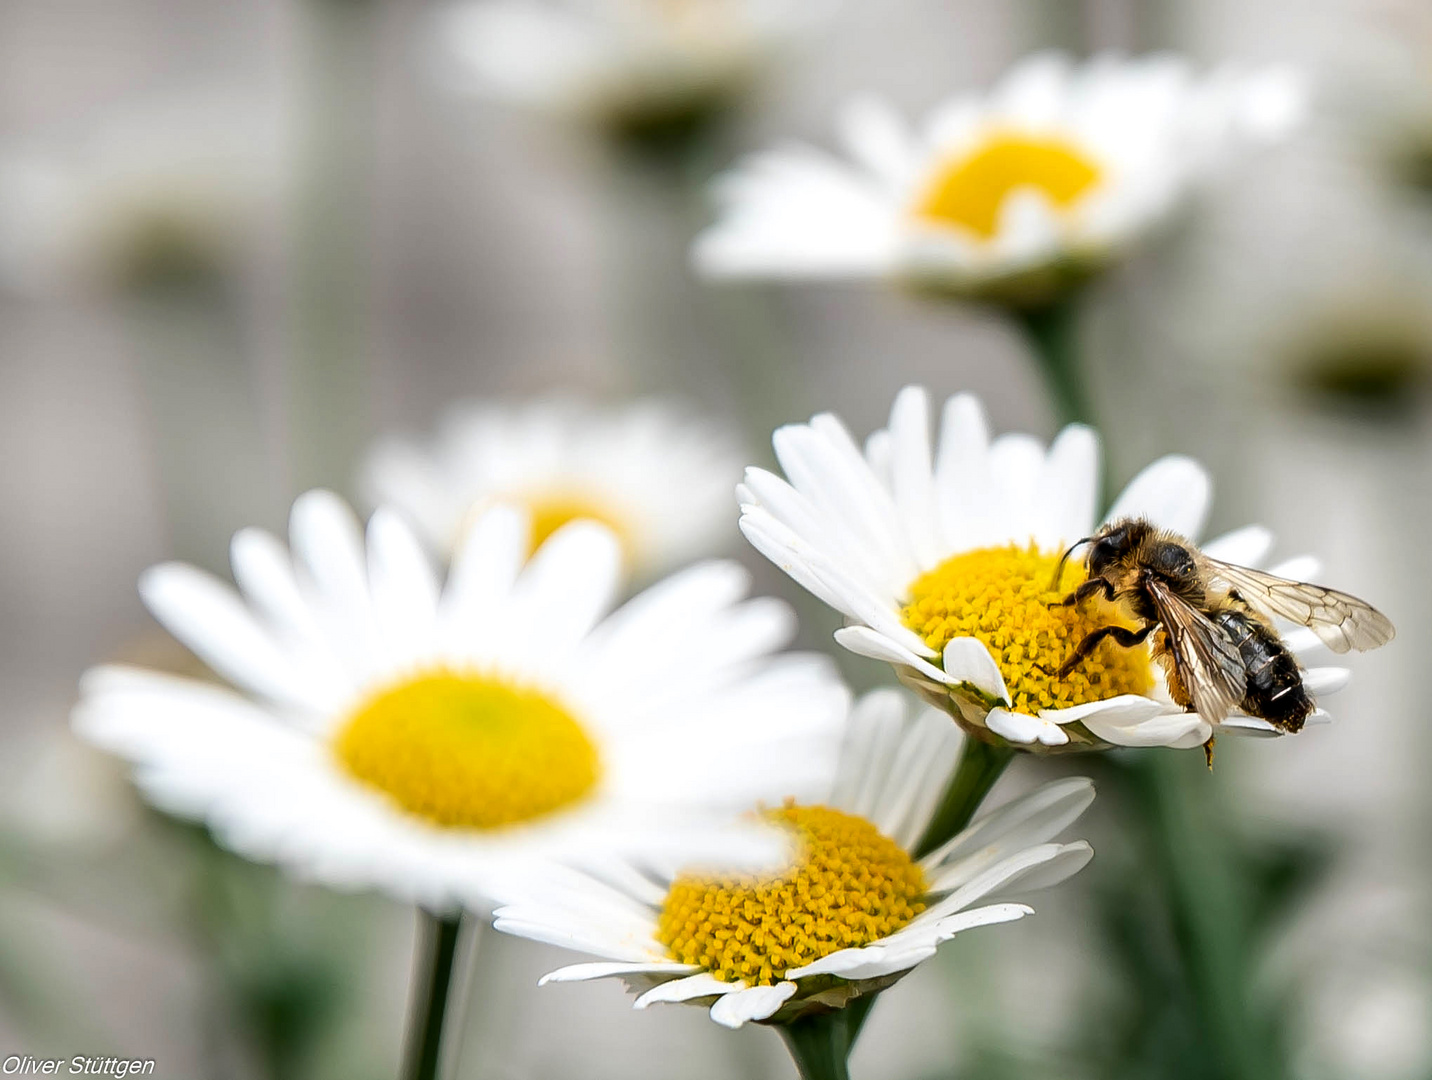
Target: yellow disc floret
(969,191)
(848,886)
(551,510)
(1002,596)
(468,751)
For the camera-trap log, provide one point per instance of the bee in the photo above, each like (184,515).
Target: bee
(1214,622)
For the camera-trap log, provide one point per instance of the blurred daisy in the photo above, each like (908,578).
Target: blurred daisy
(1010,194)
(623,64)
(659,478)
(854,911)
(943,563)
(431,743)
(152,192)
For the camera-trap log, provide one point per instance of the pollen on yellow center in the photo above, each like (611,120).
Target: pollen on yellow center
(848,886)
(969,191)
(1001,596)
(468,751)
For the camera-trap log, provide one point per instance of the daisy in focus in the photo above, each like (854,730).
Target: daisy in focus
(656,476)
(1011,195)
(626,65)
(856,909)
(946,563)
(432,743)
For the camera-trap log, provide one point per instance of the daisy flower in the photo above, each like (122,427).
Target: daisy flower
(429,743)
(1010,194)
(149,192)
(852,912)
(658,477)
(943,562)
(624,64)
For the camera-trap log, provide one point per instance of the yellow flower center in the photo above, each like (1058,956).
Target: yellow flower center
(468,751)
(551,510)
(969,191)
(849,886)
(1001,596)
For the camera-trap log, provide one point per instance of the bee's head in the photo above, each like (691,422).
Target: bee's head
(1110,544)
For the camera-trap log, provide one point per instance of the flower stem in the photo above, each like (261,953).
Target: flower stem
(1051,330)
(981,764)
(431,984)
(1208,913)
(819,1046)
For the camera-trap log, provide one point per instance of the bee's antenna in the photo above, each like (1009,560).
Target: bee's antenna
(1059,569)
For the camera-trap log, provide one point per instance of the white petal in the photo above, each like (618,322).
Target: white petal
(607,970)
(404,589)
(756,1003)
(702,984)
(1301,568)
(864,641)
(969,660)
(874,715)
(1031,819)
(1173,493)
(1024,729)
(877,136)
(962,474)
(569,584)
(1247,546)
(1325,680)
(207,616)
(1167,729)
(1015,463)
(911,472)
(868,962)
(1069,487)
(486,563)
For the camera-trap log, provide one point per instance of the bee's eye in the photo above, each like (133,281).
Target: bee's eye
(1173,560)
(1104,551)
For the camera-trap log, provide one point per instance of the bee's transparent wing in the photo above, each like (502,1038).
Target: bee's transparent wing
(1206,660)
(1341,621)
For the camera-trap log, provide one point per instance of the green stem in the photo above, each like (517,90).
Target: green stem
(819,1046)
(1209,919)
(981,764)
(431,985)
(1052,331)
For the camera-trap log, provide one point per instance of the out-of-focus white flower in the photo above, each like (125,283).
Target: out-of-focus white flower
(658,476)
(433,743)
(942,560)
(163,187)
(618,62)
(1010,193)
(1371,1021)
(854,912)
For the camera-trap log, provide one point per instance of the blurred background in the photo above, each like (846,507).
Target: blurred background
(238,241)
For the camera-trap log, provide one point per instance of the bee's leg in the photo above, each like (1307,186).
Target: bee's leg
(1208,751)
(1123,635)
(1086,590)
